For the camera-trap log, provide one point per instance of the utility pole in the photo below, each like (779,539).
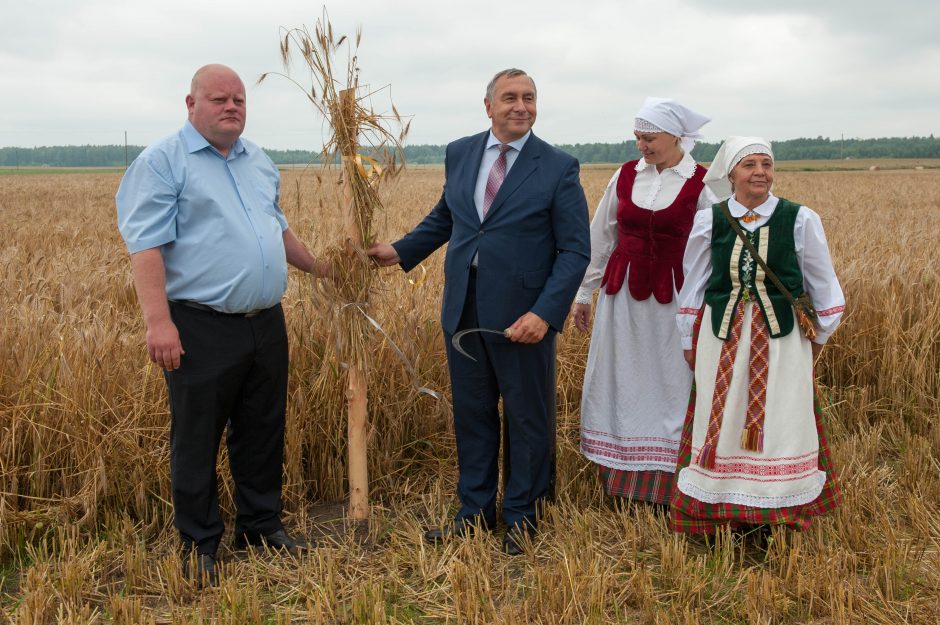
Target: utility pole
(125,150)
(842,148)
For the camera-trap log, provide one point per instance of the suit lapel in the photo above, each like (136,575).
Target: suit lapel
(526,163)
(470,170)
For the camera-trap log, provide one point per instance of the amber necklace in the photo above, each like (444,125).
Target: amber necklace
(750,216)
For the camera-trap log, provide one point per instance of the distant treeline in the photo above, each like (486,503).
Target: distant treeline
(819,148)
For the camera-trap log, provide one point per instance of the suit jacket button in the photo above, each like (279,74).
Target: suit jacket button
(481,233)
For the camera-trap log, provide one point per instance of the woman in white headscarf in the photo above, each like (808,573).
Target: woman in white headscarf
(636,385)
(753,448)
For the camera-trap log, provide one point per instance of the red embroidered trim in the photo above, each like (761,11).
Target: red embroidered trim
(792,478)
(767,466)
(830,311)
(658,458)
(763,470)
(623,448)
(630,438)
(688,311)
(776,459)
(605,448)
(635,454)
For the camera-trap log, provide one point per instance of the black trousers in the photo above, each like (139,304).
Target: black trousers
(523,375)
(234,373)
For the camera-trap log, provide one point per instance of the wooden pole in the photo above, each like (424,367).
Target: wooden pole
(358,460)
(357,385)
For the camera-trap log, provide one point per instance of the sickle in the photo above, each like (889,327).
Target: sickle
(455,340)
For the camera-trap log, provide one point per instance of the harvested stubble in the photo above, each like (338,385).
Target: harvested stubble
(85,523)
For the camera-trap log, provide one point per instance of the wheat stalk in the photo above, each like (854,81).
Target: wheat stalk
(349,121)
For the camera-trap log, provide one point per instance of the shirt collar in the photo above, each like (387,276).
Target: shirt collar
(517,144)
(765,210)
(685,168)
(196,142)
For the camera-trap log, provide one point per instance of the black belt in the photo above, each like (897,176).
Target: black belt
(210,309)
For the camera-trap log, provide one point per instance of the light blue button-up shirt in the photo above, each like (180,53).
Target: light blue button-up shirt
(215,219)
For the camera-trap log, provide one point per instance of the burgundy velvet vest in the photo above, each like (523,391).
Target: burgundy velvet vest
(651,243)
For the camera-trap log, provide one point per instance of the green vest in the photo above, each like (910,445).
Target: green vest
(736,275)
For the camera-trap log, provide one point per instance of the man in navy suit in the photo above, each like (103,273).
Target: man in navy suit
(515,219)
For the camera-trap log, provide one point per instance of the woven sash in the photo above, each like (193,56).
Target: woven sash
(752,437)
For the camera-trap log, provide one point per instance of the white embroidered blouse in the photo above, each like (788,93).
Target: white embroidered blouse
(652,190)
(812,251)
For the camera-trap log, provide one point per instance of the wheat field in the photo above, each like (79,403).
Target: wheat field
(86,530)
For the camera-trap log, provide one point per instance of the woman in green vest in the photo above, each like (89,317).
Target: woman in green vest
(759,301)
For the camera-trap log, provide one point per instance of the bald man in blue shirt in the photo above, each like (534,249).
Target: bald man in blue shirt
(209,249)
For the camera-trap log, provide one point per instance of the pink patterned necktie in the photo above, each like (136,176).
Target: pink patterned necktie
(496,177)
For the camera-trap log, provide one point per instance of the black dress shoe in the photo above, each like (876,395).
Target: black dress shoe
(460,527)
(515,539)
(203,565)
(278,539)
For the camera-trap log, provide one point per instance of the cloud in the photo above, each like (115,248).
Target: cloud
(86,72)
(882,32)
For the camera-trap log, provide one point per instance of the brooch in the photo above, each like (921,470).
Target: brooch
(749,216)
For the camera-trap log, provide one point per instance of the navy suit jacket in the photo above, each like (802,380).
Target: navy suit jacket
(534,243)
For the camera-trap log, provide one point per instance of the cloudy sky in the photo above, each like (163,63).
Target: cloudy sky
(86,71)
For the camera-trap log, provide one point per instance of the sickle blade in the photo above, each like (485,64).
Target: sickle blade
(455,340)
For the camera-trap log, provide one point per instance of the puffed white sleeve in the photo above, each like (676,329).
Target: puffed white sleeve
(819,275)
(697,268)
(706,199)
(603,241)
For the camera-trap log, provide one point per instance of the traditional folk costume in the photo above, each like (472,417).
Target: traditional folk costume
(753,447)
(636,385)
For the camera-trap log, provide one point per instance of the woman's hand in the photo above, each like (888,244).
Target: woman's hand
(581,315)
(689,355)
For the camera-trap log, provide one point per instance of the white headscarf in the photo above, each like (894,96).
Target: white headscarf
(730,154)
(667,115)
